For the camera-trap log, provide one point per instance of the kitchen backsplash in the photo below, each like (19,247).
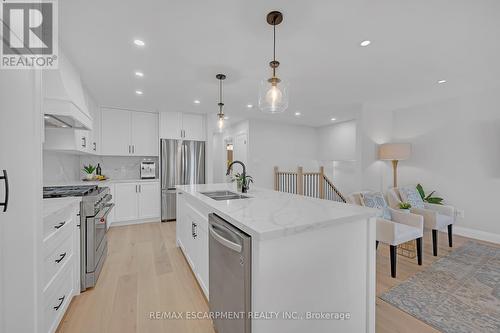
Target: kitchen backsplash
(118,167)
(60,168)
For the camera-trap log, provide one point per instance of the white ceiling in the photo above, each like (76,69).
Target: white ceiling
(414,44)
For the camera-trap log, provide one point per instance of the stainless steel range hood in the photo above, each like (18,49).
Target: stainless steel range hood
(64,103)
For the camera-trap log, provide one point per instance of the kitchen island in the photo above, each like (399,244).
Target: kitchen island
(313,260)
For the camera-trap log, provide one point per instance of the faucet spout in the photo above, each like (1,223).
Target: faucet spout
(244,187)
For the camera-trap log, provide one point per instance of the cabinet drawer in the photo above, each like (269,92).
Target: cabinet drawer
(58,256)
(57,298)
(58,221)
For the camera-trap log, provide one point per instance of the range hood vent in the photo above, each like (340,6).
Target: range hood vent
(64,103)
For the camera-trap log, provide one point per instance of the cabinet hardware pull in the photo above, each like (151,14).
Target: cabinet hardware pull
(62,255)
(193,229)
(62,301)
(60,225)
(84,142)
(6,202)
(95,146)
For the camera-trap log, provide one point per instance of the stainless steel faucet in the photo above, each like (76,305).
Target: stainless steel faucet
(244,186)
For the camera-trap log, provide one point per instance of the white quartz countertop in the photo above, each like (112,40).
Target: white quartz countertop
(103,182)
(52,205)
(269,214)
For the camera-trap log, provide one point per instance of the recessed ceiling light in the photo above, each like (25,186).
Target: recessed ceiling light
(249,106)
(442,81)
(139,92)
(139,42)
(196,101)
(298,114)
(365,43)
(333,119)
(139,74)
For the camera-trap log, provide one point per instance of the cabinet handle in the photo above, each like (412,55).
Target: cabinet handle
(193,229)
(62,255)
(62,301)
(60,225)
(95,146)
(6,202)
(129,149)
(84,142)
(140,188)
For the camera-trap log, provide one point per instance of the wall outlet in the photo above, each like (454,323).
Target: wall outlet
(459,213)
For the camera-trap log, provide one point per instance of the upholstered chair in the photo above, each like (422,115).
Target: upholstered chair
(436,217)
(394,227)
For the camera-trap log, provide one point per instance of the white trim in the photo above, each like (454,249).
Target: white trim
(122,223)
(477,234)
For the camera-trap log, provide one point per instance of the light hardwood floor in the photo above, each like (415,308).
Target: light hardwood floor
(145,272)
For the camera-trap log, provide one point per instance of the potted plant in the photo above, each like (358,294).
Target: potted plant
(89,171)
(429,198)
(405,206)
(242,179)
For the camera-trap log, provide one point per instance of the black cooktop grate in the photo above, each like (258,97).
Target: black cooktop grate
(68,191)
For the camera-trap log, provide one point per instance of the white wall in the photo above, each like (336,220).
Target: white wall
(456,151)
(286,146)
(337,152)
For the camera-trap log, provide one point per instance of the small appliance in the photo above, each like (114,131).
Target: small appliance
(148,170)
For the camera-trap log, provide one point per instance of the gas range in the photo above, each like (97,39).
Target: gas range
(94,210)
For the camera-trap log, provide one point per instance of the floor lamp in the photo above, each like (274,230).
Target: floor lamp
(394,152)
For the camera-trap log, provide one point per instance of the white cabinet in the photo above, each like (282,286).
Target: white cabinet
(192,237)
(60,261)
(67,140)
(193,126)
(115,132)
(177,125)
(126,204)
(128,133)
(136,201)
(144,134)
(149,200)
(95,133)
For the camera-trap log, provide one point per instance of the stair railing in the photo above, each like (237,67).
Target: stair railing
(311,184)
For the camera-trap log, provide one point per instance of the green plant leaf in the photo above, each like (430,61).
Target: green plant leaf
(435,200)
(420,191)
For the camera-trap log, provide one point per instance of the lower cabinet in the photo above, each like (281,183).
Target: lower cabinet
(136,201)
(60,267)
(192,237)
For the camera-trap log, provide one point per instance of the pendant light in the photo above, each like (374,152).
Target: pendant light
(273,92)
(220,115)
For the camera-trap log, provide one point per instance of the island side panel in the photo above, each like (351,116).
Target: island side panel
(328,269)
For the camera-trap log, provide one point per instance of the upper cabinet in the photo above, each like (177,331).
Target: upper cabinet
(128,133)
(182,126)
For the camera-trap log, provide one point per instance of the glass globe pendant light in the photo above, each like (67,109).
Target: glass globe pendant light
(273,92)
(220,114)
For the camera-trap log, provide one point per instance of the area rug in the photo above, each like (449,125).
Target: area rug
(459,293)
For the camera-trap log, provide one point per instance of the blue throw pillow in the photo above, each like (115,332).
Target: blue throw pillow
(409,194)
(377,200)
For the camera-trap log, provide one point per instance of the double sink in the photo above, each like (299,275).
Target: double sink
(224,195)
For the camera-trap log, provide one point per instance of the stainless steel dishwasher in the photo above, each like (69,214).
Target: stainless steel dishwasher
(230,268)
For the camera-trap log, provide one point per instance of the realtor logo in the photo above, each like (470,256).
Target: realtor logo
(29,34)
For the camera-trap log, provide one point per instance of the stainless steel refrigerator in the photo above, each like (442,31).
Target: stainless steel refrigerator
(182,163)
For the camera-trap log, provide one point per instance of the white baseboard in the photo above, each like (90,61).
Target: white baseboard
(477,234)
(122,223)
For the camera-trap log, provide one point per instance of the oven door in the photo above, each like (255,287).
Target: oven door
(96,237)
